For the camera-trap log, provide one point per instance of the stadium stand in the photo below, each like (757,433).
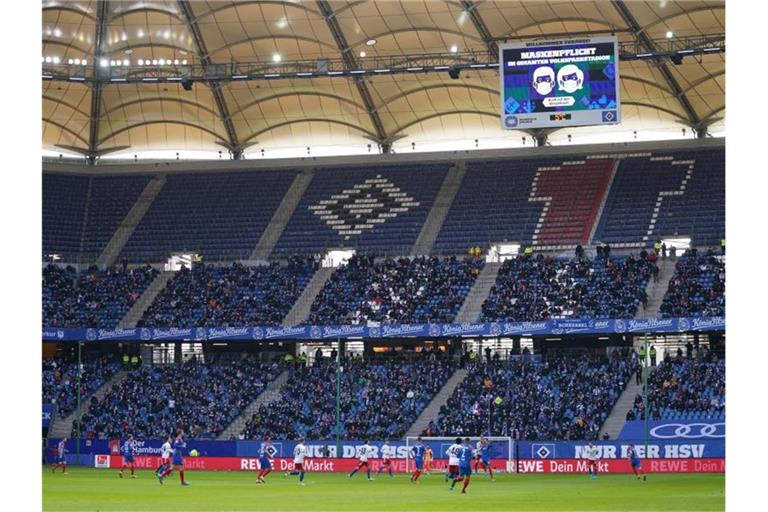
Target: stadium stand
(563,397)
(202,398)
(233,295)
(375,210)
(60,380)
(538,288)
(685,389)
(95,298)
(664,195)
(379,399)
(64,199)
(697,287)
(401,290)
(218,215)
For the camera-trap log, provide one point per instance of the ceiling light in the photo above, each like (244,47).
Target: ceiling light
(141,62)
(56,60)
(184,62)
(175,62)
(161,62)
(276,57)
(167,34)
(123,37)
(126,62)
(129,51)
(118,63)
(282,22)
(154,62)
(362,54)
(370,42)
(104,63)
(77,62)
(84,62)
(48,60)
(112,63)
(454,48)
(140,33)
(70,61)
(669,34)
(57,32)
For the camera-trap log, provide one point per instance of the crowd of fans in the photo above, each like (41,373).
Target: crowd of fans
(395,290)
(535,288)
(561,398)
(154,401)
(697,287)
(234,295)
(379,399)
(95,298)
(60,380)
(681,386)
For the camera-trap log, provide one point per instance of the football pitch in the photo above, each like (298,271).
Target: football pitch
(102,490)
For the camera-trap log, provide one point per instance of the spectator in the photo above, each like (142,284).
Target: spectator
(697,287)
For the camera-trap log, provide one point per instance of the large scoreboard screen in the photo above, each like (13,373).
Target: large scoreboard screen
(551,84)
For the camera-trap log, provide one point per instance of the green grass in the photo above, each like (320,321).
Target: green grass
(99,489)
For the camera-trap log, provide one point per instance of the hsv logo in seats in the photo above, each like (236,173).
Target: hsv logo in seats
(363,206)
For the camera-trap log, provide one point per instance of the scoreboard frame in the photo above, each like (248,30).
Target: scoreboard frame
(554,117)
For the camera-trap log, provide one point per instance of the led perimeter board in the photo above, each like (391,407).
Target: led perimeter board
(551,84)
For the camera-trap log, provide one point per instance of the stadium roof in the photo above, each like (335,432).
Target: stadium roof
(658,97)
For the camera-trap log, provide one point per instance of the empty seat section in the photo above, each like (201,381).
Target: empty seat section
(378,210)
(218,215)
(64,199)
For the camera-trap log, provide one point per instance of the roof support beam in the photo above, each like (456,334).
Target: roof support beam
(632,23)
(490,42)
(96,87)
(351,63)
(232,142)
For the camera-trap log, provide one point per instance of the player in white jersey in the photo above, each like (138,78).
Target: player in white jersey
(299,453)
(166,452)
(592,457)
(387,454)
(453,453)
(363,453)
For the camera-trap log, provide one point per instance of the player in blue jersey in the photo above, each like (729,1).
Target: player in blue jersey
(266,453)
(483,457)
(128,449)
(634,460)
(417,452)
(61,461)
(178,459)
(465,465)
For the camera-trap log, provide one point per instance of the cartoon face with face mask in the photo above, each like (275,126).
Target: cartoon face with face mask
(544,80)
(570,78)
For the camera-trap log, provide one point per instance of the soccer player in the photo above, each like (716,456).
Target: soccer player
(453,459)
(61,462)
(266,453)
(428,460)
(363,452)
(484,455)
(386,456)
(465,466)
(299,452)
(178,459)
(165,469)
(634,459)
(592,460)
(128,449)
(418,451)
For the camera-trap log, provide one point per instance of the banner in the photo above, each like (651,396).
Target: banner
(620,466)
(675,429)
(47,412)
(657,449)
(431,331)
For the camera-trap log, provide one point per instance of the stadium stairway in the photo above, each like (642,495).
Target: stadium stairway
(300,310)
(270,394)
(432,410)
(434,221)
(615,421)
(473,304)
(115,246)
(657,290)
(134,314)
(282,215)
(63,426)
